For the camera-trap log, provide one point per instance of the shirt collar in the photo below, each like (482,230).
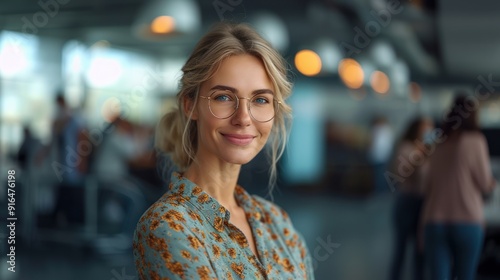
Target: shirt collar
(248,203)
(182,190)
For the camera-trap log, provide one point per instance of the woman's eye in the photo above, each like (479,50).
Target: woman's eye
(261,100)
(223,97)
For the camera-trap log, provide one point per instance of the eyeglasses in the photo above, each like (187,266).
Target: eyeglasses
(224,103)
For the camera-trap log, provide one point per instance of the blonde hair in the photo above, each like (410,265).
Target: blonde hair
(176,133)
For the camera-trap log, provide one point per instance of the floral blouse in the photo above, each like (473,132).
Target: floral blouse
(186,234)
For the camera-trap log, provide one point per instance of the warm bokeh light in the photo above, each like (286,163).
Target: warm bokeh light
(163,25)
(380,82)
(351,73)
(415,92)
(308,62)
(101,44)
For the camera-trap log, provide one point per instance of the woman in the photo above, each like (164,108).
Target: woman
(409,197)
(459,175)
(231,101)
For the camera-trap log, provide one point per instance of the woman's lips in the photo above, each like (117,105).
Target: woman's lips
(239,139)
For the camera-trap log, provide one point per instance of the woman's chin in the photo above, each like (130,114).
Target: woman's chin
(239,160)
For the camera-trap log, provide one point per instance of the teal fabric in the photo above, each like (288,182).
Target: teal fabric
(186,234)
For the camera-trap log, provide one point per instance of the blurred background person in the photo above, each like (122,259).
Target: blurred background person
(409,197)
(379,151)
(110,163)
(28,150)
(119,147)
(69,163)
(459,175)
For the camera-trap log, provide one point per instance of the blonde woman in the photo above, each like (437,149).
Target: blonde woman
(231,103)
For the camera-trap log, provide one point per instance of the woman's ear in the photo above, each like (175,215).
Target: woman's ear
(189,105)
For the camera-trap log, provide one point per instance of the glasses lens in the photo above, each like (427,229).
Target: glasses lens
(263,107)
(223,104)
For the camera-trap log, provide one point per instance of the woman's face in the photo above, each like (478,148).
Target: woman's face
(239,138)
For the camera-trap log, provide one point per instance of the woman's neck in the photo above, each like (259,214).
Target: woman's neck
(218,181)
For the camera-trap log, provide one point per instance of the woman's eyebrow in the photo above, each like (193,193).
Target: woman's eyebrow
(261,91)
(234,90)
(221,87)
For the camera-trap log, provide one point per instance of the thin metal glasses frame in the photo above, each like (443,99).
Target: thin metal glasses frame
(209,98)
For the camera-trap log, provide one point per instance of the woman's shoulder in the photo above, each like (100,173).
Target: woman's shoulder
(172,211)
(472,136)
(271,210)
(176,205)
(281,226)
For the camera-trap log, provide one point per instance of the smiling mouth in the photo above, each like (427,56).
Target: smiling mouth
(240,140)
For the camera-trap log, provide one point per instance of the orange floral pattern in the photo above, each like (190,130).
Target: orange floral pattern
(186,234)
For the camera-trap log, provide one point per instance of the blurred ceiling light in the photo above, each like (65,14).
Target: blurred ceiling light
(13,60)
(308,62)
(351,73)
(104,71)
(330,54)
(164,17)
(163,25)
(272,28)
(380,82)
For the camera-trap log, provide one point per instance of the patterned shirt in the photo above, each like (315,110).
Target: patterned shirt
(186,234)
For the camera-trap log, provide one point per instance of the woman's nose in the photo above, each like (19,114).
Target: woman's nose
(242,115)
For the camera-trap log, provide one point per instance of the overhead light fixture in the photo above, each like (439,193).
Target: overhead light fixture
(380,82)
(319,57)
(163,25)
(162,18)
(351,73)
(308,62)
